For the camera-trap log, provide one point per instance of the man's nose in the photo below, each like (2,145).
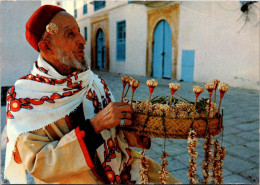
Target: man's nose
(81,39)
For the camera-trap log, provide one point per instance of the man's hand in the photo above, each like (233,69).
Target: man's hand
(111,116)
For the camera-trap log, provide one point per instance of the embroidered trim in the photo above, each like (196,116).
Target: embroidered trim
(14,105)
(80,134)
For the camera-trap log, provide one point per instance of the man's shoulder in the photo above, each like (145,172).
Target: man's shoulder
(99,79)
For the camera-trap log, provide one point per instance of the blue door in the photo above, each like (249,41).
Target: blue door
(187,66)
(162,52)
(101,50)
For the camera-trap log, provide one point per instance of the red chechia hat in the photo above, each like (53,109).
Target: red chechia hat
(36,25)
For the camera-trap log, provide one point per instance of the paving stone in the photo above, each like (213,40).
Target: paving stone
(231,130)
(178,141)
(153,153)
(181,175)
(156,144)
(228,113)
(255,132)
(200,175)
(226,172)
(175,165)
(183,159)
(237,165)
(252,175)
(255,159)
(229,122)
(248,136)
(248,126)
(240,151)
(222,141)
(236,179)
(244,119)
(3,181)
(29,178)
(253,145)
(234,140)
(157,140)
(178,150)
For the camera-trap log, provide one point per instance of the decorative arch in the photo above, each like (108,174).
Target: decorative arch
(100,22)
(171,15)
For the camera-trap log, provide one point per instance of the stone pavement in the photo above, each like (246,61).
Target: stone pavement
(240,135)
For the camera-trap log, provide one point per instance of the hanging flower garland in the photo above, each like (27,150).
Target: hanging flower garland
(192,144)
(164,172)
(183,110)
(217,164)
(206,163)
(143,172)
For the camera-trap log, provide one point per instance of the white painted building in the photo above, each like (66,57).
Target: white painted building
(225,47)
(208,39)
(16,55)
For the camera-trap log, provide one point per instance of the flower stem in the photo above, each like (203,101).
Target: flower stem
(219,105)
(171,100)
(148,104)
(194,112)
(127,90)
(209,105)
(132,98)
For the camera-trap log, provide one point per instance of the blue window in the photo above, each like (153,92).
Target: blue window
(75,13)
(86,33)
(120,41)
(85,9)
(99,5)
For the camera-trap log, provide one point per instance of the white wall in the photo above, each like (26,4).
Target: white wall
(136,37)
(222,49)
(16,55)
(68,5)
(86,23)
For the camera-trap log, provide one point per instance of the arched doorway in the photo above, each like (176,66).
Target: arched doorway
(100,50)
(162,50)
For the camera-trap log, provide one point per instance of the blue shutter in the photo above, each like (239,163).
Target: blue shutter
(75,13)
(121,37)
(99,5)
(86,33)
(85,9)
(187,67)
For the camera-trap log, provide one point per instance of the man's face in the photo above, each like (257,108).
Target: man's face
(68,43)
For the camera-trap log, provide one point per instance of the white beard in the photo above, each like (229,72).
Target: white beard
(71,62)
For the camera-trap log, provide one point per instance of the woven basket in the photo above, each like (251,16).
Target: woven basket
(160,127)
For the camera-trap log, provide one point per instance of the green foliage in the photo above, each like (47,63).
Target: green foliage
(201,105)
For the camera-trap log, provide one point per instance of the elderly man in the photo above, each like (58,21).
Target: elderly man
(61,122)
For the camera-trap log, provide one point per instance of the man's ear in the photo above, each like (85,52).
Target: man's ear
(44,46)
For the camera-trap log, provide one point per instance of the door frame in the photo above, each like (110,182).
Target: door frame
(171,15)
(99,22)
